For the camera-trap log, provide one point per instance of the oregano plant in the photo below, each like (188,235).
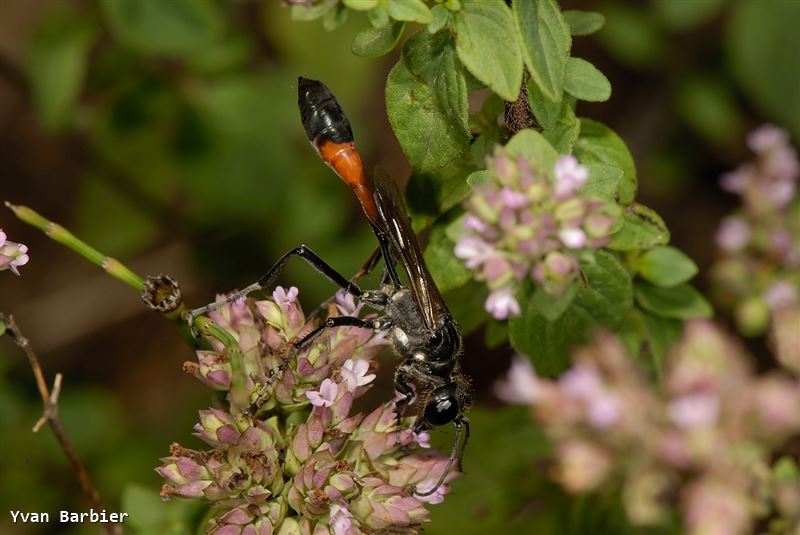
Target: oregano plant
(638,414)
(625,277)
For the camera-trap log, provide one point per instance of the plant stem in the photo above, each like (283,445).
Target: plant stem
(58,233)
(51,417)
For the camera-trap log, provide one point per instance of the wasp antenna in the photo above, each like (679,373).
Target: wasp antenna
(460,424)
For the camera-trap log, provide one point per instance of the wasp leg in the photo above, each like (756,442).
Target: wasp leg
(408,376)
(297,347)
(461,423)
(405,388)
(269,278)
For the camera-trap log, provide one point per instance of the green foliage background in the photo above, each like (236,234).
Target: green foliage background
(146,125)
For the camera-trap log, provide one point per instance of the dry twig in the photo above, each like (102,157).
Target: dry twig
(51,417)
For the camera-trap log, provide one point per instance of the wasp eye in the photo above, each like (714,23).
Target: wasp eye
(442,407)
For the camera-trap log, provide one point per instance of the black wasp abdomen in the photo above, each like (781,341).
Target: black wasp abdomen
(322,116)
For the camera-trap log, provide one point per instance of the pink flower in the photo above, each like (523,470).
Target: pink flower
(474,250)
(574,238)
(521,386)
(354,373)
(736,181)
(692,411)
(436,497)
(475,223)
(781,192)
(284,298)
(496,268)
(733,234)
(501,304)
(604,411)
(570,175)
(346,303)
(326,395)
(782,164)
(514,199)
(422,439)
(12,255)
(780,295)
(767,137)
(582,383)
(341,519)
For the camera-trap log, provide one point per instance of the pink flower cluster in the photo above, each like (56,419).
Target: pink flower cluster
(304,464)
(759,267)
(520,224)
(12,255)
(701,442)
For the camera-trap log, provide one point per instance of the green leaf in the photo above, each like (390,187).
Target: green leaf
(603,180)
(57,63)
(433,59)
(334,18)
(599,144)
(583,22)
(479,177)
(426,101)
(488,45)
(496,334)
(379,17)
(448,271)
(762,47)
(604,301)
(410,11)
(360,5)
(552,307)
(466,305)
(584,81)
(642,228)
(666,266)
(681,302)
(662,335)
(545,110)
(305,13)
(545,44)
(650,338)
(535,148)
(430,194)
(374,42)
(564,133)
(170,28)
(440,17)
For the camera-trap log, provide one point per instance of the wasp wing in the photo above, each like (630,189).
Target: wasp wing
(394,221)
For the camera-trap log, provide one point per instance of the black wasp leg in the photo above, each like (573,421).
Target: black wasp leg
(404,387)
(389,263)
(270,276)
(297,347)
(465,422)
(462,425)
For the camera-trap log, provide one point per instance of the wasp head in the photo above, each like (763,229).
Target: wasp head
(445,403)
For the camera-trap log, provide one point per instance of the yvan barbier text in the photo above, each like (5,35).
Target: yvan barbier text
(68,517)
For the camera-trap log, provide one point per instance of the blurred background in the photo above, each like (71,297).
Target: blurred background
(167,135)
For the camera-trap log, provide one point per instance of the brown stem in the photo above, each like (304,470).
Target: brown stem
(50,415)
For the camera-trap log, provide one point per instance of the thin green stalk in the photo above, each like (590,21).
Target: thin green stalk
(56,232)
(110,265)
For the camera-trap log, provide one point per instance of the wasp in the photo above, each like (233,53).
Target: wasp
(421,328)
